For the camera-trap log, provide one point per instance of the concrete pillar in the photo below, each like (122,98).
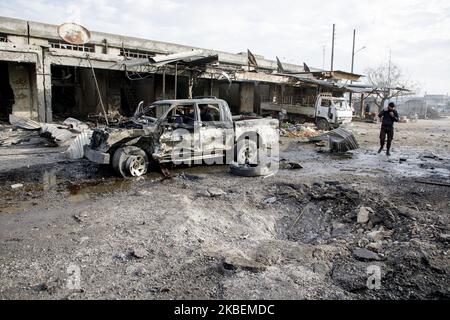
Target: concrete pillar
(47,74)
(40,90)
(247,96)
(21,80)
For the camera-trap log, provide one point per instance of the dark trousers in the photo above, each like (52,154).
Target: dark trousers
(389,132)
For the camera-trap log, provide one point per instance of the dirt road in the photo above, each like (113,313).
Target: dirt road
(208,234)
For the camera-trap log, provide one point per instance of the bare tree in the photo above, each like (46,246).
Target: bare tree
(389,82)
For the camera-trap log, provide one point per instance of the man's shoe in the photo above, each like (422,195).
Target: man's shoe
(379,150)
(388,153)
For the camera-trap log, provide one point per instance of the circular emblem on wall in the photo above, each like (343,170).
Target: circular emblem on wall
(74,33)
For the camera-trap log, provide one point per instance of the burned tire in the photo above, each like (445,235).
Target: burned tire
(130,162)
(250,171)
(322,124)
(301,120)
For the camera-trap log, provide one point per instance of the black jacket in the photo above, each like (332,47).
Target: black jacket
(388,120)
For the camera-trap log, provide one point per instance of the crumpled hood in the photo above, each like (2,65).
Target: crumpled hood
(104,138)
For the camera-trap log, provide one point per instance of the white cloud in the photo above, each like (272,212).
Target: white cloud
(416,31)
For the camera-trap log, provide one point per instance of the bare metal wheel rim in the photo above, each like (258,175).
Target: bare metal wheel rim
(136,166)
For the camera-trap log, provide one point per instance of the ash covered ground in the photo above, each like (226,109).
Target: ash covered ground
(206,234)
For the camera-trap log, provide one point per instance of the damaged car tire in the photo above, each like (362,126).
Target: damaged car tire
(130,162)
(322,124)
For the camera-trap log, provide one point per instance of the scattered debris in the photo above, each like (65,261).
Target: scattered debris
(351,276)
(270,200)
(234,262)
(364,215)
(365,255)
(216,192)
(444,237)
(81,218)
(379,235)
(76,147)
(375,247)
(321,144)
(298,131)
(290,165)
(20,137)
(24,123)
(76,125)
(139,253)
(56,134)
(17,186)
(121,257)
(339,140)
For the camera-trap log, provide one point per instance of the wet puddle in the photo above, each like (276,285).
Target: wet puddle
(41,185)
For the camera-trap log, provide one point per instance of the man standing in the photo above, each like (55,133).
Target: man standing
(388,117)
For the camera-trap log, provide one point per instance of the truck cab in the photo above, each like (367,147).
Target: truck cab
(331,112)
(324,110)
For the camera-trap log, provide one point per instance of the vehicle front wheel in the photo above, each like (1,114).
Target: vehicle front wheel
(130,162)
(322,124)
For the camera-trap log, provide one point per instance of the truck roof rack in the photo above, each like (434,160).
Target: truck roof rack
(205,97)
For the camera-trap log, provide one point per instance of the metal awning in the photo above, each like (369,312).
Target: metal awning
(322,83)
(338,74)
(193,57)
(359,88)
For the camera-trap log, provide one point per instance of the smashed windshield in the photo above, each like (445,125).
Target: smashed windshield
(153,111)
(341,104)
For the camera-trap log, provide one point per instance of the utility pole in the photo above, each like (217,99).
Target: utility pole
(332,47)
(323,60)
(353,61)
(390,62)
(389,73)
(353,49)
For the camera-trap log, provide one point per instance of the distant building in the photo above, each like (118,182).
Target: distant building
(440,102)
(412,106)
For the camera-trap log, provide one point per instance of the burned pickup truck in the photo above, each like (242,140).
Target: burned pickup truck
(192,131)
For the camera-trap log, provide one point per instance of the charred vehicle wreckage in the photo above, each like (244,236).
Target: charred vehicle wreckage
(191,131)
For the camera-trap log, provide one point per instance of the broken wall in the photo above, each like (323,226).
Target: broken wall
(22,79)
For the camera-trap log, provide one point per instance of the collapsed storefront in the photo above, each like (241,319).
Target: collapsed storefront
(44,77)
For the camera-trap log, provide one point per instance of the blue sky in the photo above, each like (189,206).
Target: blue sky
(416,31)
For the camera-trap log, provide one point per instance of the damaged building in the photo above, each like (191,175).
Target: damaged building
(43,77)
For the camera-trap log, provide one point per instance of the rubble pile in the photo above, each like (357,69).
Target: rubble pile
(71,133)
(298,131)
(338,140)
(371,230)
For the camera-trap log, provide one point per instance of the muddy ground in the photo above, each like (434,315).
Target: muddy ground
(206,234)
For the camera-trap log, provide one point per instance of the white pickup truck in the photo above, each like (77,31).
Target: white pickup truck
(182,131)
(327,112)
